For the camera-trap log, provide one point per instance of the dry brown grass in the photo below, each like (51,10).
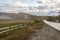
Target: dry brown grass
(24,33)
(12,22)
(19,34)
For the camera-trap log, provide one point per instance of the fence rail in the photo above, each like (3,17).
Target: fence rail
(9,28)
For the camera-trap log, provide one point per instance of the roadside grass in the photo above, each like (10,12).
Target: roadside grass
(22,33)
(38,24)
(3,35)
(18,34)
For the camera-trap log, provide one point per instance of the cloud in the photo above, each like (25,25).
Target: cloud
(57,0)
(18,3)
(13,5)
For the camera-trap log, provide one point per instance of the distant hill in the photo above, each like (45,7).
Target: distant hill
(4,16)
(7,16)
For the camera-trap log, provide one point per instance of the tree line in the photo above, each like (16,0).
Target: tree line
(54,18)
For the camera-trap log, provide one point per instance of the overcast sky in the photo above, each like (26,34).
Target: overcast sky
(7,5)
(20,2)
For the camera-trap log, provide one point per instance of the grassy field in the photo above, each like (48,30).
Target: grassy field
(13,22)
(21,33)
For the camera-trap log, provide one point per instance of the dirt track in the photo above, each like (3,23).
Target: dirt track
(46,33)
